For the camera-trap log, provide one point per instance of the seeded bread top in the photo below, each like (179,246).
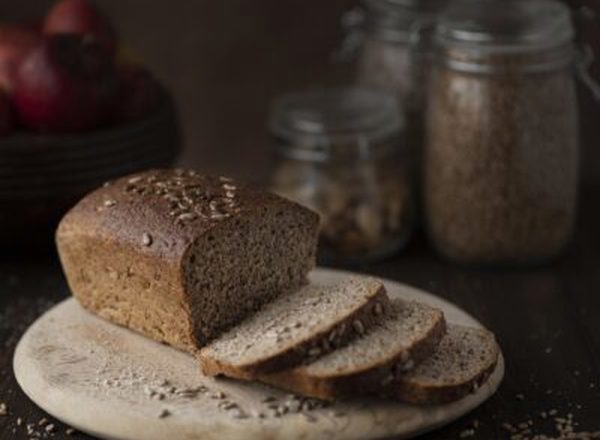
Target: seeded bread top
(405,326)
(461,356)
(292,319)
(163,211)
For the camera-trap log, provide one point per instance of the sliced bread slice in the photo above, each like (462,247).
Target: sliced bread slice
(409,333)
(463,361)
(296,326)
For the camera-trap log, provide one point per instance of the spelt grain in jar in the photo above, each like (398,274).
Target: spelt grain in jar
(340,152)
(501,157)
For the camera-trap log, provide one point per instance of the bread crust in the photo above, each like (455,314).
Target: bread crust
(125,247)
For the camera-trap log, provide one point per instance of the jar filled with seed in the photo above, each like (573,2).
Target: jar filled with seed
(340,152)
(392,56)
(501,157)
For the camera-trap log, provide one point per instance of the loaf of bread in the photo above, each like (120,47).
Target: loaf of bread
(181,257)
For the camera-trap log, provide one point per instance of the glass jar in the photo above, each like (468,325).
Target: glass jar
(501,157)
(340,152)
(391,56)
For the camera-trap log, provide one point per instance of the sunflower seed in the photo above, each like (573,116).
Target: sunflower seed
(358,327)
(147,239)
(187,216)
(378,309)
(314,351)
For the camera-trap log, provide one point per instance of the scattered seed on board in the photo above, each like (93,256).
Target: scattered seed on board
(42,421)
(226,405)
(110,203)
(3,409)
(70,431)
(240,415)
(146,239)
(309,417)
(164,413)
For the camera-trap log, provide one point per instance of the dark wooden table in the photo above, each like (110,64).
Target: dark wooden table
(547,320)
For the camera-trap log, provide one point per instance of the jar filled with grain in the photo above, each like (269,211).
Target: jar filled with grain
(501,157)
(392,56)
(340,151)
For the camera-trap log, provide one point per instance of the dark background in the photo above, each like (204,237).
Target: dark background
(223,61)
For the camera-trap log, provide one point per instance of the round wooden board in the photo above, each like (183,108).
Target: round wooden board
(110,382)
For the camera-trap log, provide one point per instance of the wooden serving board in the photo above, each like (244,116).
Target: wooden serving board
(110,382)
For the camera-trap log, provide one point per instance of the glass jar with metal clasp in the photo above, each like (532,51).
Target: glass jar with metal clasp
(342,153)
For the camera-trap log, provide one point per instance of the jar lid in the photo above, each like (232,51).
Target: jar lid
(398,5)
(394,19)
(505,25)
(318,121)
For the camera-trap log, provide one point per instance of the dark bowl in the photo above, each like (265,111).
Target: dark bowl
(41,177)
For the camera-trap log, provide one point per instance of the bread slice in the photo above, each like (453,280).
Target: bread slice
(409,333)
(297,326)
(181,257)
(463,361)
